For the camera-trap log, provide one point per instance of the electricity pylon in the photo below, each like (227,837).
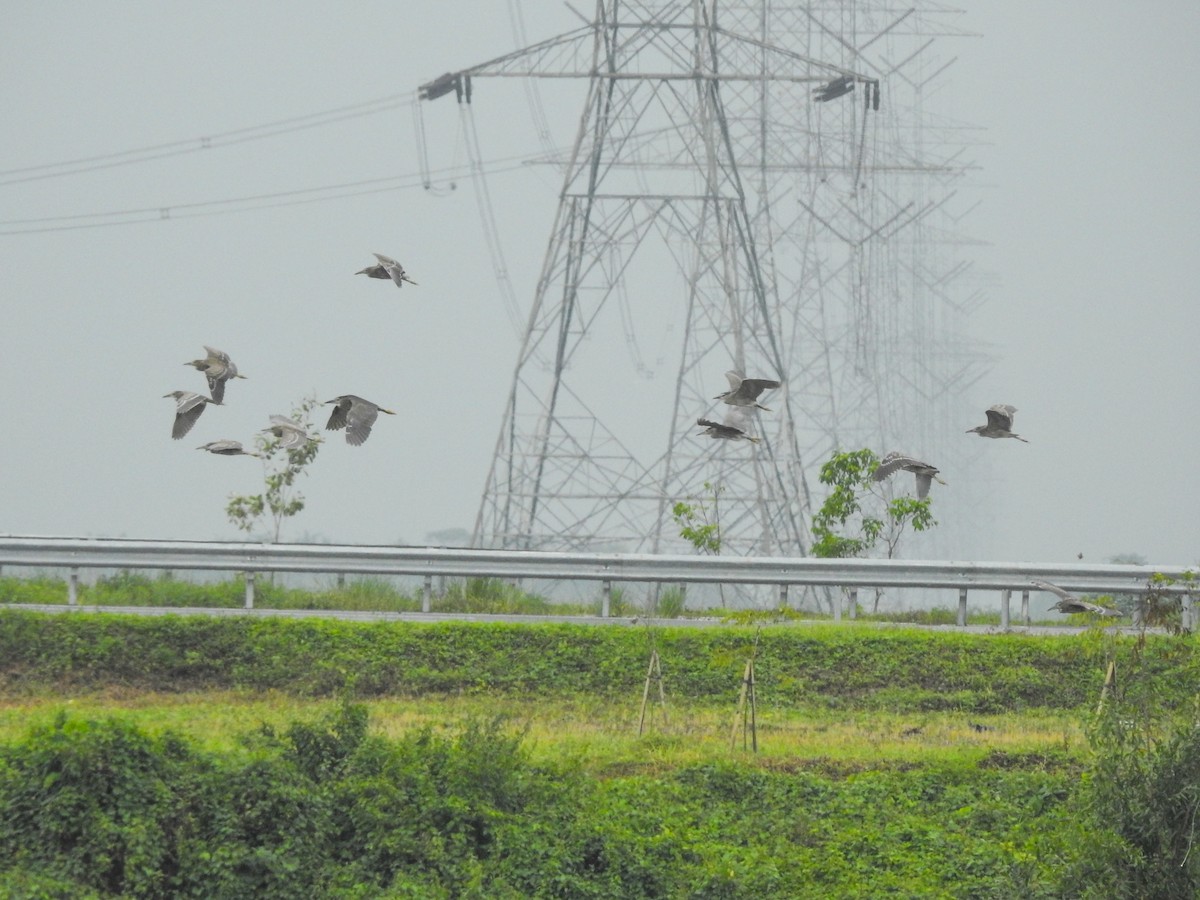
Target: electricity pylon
(690,169)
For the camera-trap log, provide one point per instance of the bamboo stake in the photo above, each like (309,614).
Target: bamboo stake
(1110,680)
(653,671)
(739,714)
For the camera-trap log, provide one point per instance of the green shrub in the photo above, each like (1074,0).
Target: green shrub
(326,809)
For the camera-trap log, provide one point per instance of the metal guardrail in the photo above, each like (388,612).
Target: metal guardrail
(785,572)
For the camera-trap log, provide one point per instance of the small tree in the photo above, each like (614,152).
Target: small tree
(700,524)
(279,500)
(857,514)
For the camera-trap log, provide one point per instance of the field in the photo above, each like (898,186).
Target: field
(455,759)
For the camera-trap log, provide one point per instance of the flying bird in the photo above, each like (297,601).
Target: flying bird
(732,429)
(745,391)
(290,433)
(924,471)
(356,415)
(227,448)
(387,268)
(834,89)
(188,407)
(218,368)
(1069,603)
(999,423)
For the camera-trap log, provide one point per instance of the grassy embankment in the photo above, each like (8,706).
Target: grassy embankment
(890,762)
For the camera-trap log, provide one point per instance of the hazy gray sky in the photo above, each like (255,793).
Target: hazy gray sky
(1088,224)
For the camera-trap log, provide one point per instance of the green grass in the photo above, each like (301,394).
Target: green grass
(601,734)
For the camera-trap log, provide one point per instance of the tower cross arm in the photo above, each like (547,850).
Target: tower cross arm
(573,54)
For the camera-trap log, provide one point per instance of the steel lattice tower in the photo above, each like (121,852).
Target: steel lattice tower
(711,202)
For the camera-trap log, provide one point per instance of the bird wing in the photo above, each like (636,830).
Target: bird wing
(337,418)
(923,482)
(752,387)
(362,416)
(1000,416)
(216,387)
(187,411)
(890,464)
(1056,590)
(737,418)
(735,381)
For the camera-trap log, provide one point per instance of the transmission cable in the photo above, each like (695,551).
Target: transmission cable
(199,144)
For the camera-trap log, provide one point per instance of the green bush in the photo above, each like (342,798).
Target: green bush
(326,809)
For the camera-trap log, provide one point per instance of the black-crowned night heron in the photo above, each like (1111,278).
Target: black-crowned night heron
(1069,603)
(356,415)
(833,89)
(387,268)
(227,448)
(218,368)
(745,391)
(289,432)
(924,471)
(999,423)
(188,407)
(732,429)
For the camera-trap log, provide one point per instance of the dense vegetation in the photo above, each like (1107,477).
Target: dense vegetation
(829,665)
(328,807)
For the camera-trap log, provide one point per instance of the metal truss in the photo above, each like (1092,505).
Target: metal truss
(751,186)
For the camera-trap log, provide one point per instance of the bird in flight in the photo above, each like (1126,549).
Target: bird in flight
(732,429)
(745,391)
(895,461)
(188,407)
(218,368)
(227,448)
(999,423)
(356,415)
(289,432)
(1069,603)
(387,268)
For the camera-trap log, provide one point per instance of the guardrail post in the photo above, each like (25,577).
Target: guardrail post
(427,595)
(783,592)
(1185,611)
(341,580)
(606,599)
(73,586)
(1025,607)
(249,590)
(854,603)
(837,603)
(1005,598)
(962,607)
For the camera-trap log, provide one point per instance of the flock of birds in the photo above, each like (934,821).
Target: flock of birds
(743,395)
(350,412)
(357,416)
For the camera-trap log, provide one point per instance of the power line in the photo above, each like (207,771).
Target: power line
(252,202)
(207,142)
